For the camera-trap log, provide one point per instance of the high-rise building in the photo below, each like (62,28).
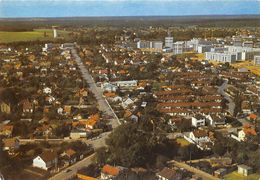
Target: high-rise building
(179,47)
(55,33)
(169,42)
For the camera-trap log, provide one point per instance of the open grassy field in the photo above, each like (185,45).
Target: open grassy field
(37,34)
(245,64)
(235,176)
(249,65)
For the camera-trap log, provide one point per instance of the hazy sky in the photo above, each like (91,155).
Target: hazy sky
(70,8)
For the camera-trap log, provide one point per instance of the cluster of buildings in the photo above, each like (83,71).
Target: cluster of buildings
(219,50)
(43,97)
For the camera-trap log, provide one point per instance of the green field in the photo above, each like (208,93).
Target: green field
(37,34)
(235,176)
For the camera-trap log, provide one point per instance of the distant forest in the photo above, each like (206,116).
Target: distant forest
(201,21)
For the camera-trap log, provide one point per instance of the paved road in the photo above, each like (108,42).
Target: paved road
(72,170)
(221,90)
(203,174)
(102,102)
(96,143)
(103,107)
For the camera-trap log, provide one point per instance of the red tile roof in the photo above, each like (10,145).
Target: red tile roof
(111,170)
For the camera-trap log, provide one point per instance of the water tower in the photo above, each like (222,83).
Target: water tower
(55,33)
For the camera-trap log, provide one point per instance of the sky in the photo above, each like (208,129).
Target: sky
(81,8)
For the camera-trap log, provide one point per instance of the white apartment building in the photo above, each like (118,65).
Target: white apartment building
(257,60)
(221,57)
(196,42)
(169,42)
(156,44)
(178,47)
(244,53)
(204,48)
(143,44)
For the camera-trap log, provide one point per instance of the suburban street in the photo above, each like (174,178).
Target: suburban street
(72,170)
(221,90)
(102,102)
(104,107)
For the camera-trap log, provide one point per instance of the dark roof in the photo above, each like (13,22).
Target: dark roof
(200,133)
(48,155)
(169,174)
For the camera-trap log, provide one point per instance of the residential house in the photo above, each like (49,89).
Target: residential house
(126,84)
(246,107)
(168,174)
(244,170)
(126,102)
(91,122)
(117,99)
(5,107)
(46,160)
(67,109)
(27,106)
(108,87)
(47,90)
(220,173)
(215,120)
(198,120)
(70,156)
(252,117)
(43,130)
(109,172)
(242,134)
(199,136)
(202,138)
(77,134)
(6,130)
(11,145)
(60,110)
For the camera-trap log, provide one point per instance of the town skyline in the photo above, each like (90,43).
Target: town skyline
(90,8)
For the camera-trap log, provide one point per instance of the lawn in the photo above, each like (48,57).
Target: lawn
(249,65)
(235,176)
(182,141)
(37,34)
(245,64)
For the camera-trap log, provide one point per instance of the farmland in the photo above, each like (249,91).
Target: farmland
(37,34)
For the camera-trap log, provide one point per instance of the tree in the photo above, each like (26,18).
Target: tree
(185,125)
(129,146)
(134,144)
(219,149)
(62,130)
(238,101)
(101,156)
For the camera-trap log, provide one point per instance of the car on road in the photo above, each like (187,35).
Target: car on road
(68,170)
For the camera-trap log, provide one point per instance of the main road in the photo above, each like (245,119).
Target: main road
(104,107)
(102,102)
